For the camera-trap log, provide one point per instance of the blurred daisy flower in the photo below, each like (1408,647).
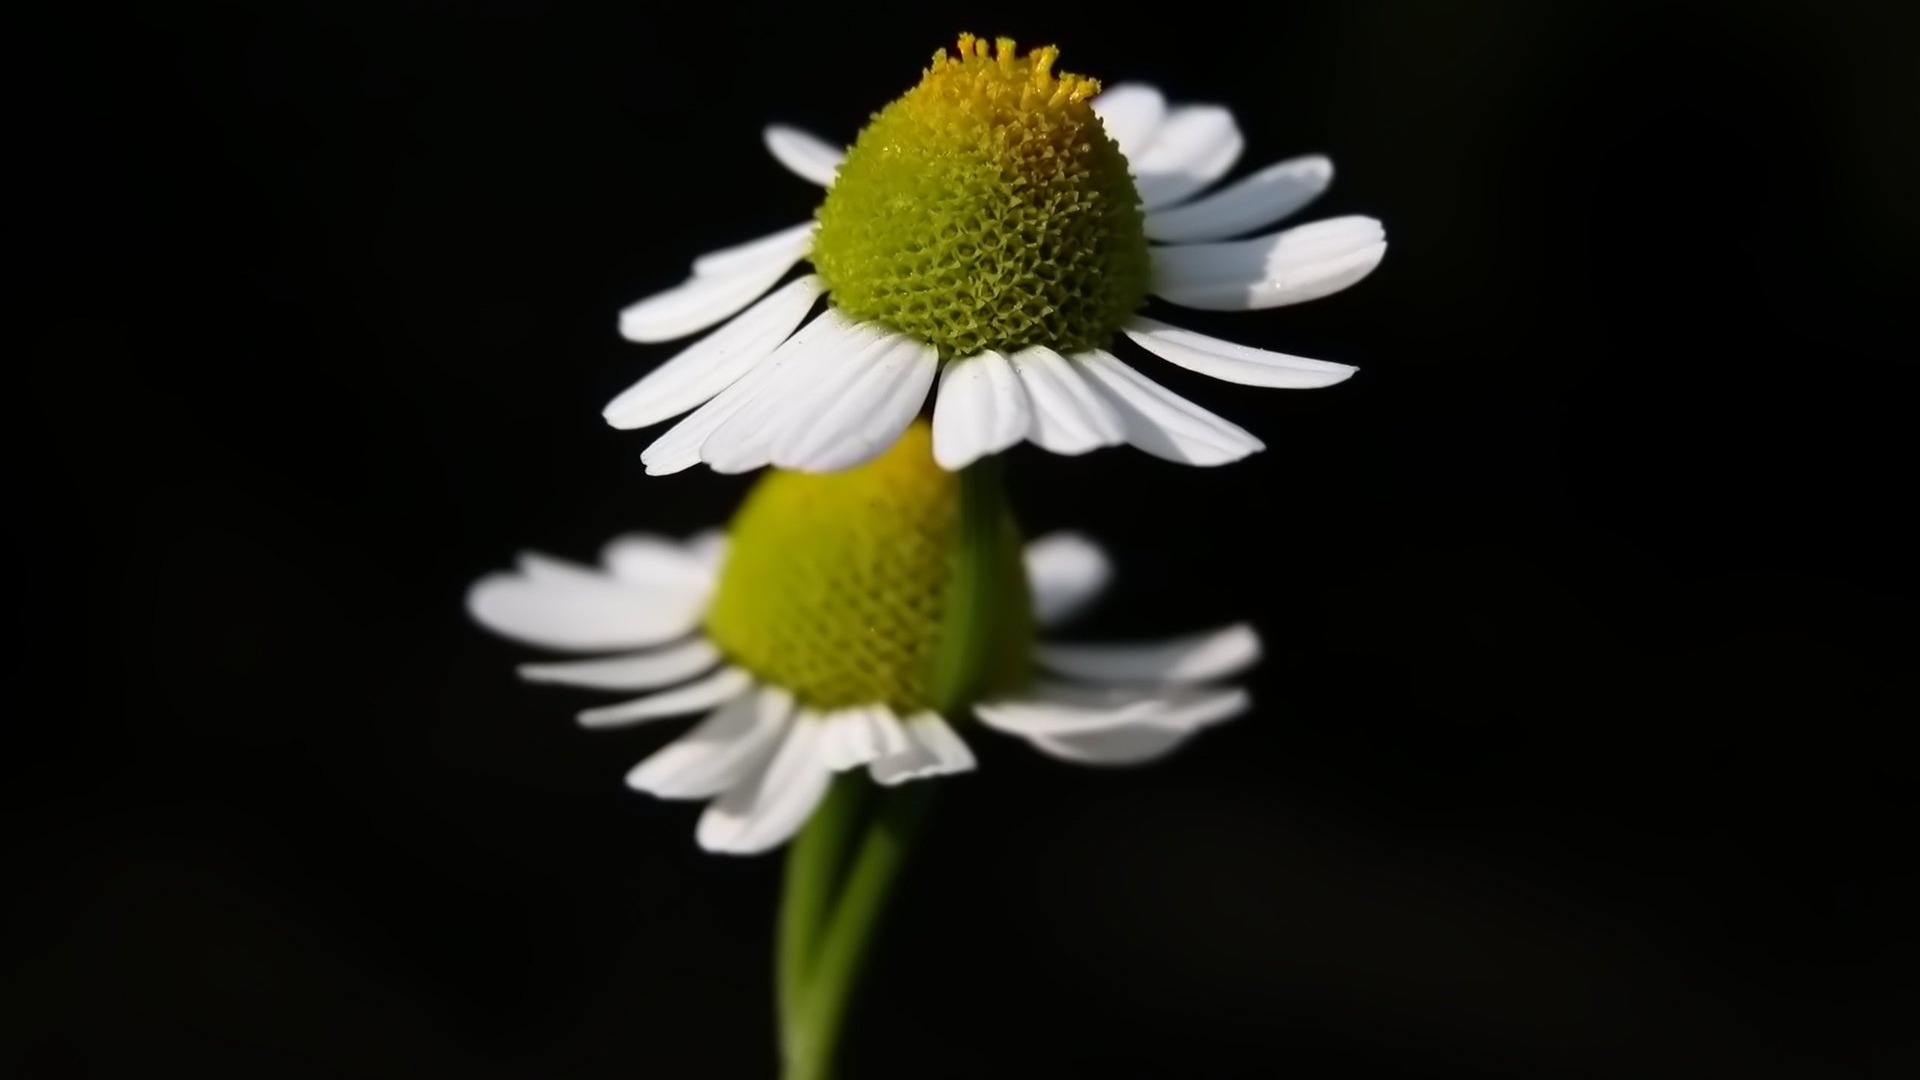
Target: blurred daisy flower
(847,621)
(995,230)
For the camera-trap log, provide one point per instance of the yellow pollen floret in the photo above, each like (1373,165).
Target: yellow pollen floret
(836,585)
(987,208)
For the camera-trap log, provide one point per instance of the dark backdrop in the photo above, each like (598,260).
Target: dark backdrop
(1574,753)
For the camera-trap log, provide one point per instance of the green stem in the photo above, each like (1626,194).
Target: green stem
(814,866)
(816,1032)
(817,974)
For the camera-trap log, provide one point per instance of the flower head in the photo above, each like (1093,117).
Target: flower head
(814,635)
(998,229)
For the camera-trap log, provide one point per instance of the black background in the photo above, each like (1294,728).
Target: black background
(1585,604)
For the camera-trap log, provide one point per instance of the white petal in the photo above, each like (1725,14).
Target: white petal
(1192,659)
(1069,417)
(844,739)
(933,749)
(1162,422)
(1246,204)
(719,752)
(722,686)
(640,671)
(804,154)
(559,606)
(1057,709)
(764,811)
(751,253)
(1065,571)
(981,409)
(656,562)
(723,282)
(1195,146)
(1134,745)
(713,363)
(1131,113)
(709,549)
(830,353)
(860,422)
(1242,364)
(1305,262)
(680,447)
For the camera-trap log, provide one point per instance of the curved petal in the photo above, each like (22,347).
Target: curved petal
(681,446)
(1065,572)
(559,606)
(1056,709)
(723,282)
(1233,363)
(804,154)
(1069,417)
(653,561)
(796,384)
(981,409)
(1247,204)
(716,689)
(932,748)
(1180,661)
(718,753)
(1162,422)
(764,810)
(1132,113)
(1195,146)
(639,671)
(1137,744)
(863,421)
(1303,263)
(713,363)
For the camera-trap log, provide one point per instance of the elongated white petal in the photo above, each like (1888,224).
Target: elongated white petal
(831,352)
(640,671)
(713,363)
(722,686)
(1136,744)
(1162,422)
(1247,204)
(1065,572)
(1192,659)
(932,748)
(1069,417)
(680,447)
(653,561)
(1225,360)
(863,421)
(723,283)
(764,811)
(1192,148)
(1132,113)
(981,409)
(1303,263)
(719,752)
(558,606)
(1054,709)
(804,154)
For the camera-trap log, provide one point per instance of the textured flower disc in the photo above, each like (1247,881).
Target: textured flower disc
(837,585)
(987,209)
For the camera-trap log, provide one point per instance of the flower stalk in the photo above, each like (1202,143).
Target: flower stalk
(827,917)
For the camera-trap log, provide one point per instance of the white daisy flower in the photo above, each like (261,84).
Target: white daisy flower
(811,635)
(995,230)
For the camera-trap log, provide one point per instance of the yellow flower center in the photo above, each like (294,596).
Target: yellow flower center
(840,587)
(987,209)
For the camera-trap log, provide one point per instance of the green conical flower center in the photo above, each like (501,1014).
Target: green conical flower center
(840,586)
(987,209)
